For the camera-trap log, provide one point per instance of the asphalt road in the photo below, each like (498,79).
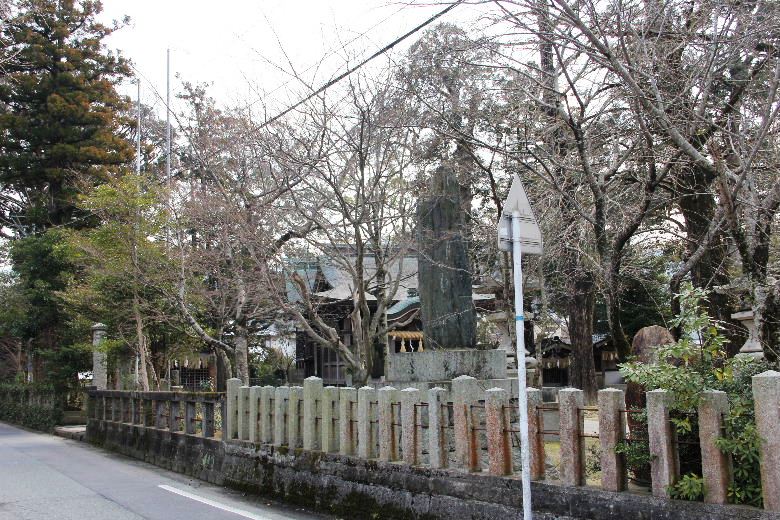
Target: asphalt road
(43,477)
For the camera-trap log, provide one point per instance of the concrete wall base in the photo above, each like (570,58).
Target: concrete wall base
(354,488)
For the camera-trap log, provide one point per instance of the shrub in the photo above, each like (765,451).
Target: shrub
(686,369)
(33,406)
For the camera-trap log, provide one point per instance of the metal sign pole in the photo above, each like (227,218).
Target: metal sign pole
(525,454)
(519,233)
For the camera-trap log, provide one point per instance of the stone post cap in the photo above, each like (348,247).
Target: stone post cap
(234,379)
(387,389)
(464,378)
(495,390)
(100,326)
(769,374)
(313,379)
(610,390)
(437,389)
(410,390)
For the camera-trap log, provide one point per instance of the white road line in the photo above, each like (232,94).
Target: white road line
(212,503)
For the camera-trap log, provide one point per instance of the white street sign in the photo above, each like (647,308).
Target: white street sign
(519,233)
(530,234)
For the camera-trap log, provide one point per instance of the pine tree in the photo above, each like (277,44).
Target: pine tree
(58,111)
(60,134)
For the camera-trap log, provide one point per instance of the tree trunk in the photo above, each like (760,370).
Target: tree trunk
(223,370)
(766,312)
(697,205)
(614,311)
(582,371)
(30,363)
(242,354)
(143,374)
(447,308)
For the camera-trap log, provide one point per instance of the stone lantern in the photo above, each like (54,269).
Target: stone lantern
(752,347)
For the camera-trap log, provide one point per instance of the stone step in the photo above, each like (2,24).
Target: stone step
(76,433)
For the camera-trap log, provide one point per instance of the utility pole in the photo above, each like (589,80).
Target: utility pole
(138,129)
(168,121)
(519,233)
(168,170)
(138,172)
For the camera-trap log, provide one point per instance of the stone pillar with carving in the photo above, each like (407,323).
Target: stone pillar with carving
(99,370)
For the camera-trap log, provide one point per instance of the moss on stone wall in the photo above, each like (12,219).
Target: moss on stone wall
(36,407)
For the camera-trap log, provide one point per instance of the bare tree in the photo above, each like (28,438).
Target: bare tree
(357,195)
(226,218)
(703,76)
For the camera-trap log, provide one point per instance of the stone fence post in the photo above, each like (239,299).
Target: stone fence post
(231,422)
(281,395)
(367,397)
(664,466)
(312,395)
(267,414)
(766,394)
(572,453)
(161,409)
(535,437)
(497,428)
(715,465)
(612,431)
(465,392)
(410,442)
(347,421)
(294,410)
(254,414)
(91,402)
(189,417)
(330,416)
(437,421)
(243,413)
(174,419)
(388,445)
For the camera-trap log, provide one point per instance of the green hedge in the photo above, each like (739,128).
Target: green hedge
(32,406)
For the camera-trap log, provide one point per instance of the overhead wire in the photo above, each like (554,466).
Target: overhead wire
(332,51)
(338,78)
(354,68)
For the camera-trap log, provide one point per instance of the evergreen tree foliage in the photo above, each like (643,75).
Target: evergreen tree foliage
(58,111)
(60,134)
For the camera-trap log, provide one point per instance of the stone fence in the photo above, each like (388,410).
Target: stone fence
(192,413)
(465,428)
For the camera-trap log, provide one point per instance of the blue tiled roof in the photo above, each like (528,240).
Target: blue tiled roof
(403,305)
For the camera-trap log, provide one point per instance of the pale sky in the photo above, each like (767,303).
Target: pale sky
(233,43)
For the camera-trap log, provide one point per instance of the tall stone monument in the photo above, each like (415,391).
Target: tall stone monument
(99,370)
(444,270)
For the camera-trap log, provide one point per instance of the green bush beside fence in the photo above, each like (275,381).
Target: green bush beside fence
(32,406)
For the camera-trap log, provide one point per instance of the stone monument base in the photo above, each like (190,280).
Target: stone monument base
(444,365)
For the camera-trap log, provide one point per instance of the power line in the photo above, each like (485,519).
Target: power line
(362,63)
(332,51)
